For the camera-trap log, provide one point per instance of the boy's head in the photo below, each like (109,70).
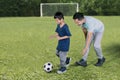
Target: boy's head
(78,18)
(59,17)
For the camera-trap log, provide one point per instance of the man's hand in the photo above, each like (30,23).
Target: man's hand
(88,41)
(84,51)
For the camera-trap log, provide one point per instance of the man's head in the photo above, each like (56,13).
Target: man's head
(59,17)
(78,18)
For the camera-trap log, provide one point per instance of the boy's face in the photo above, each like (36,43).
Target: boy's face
(58,21)
(78,22)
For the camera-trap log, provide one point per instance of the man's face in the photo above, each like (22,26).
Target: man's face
(78,22)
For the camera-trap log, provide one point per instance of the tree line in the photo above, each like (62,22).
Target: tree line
(32,7)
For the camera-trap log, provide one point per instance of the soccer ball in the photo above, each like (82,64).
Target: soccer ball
(48,67)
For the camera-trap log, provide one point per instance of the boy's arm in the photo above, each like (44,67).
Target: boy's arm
(61,38)
(68,34)
(54,35)
(85,32)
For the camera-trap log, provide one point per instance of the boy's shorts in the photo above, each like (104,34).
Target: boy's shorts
(61,52)
(62,55)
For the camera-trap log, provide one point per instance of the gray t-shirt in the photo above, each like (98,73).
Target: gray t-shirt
(93,25)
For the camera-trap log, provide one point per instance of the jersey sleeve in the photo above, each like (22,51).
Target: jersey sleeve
(68,33)
(91,28)
(56,29)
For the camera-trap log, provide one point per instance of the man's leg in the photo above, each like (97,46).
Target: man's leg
(98,49)
(97,44)
(83,61)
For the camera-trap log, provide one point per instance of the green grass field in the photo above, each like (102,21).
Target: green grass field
(25,47)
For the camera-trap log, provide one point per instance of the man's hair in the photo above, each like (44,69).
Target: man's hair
(78,16)
(59,15)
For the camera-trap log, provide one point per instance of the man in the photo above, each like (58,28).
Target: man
(93,30)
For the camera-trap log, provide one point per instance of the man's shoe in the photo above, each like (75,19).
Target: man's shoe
(68,60)
(82,63)
(100,62)
(62,70)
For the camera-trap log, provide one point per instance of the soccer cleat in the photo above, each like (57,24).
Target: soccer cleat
(82,63)
(100,62)
(68,60)
(61,70)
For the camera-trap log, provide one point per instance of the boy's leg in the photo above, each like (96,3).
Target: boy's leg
(98,49)
(62,56)
(57,53)
(68,60)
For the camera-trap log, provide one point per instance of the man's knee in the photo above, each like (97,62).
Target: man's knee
(96,47)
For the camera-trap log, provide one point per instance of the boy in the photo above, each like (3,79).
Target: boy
(93,31)
(63,36)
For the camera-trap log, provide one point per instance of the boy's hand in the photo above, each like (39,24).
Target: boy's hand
(58,37)
(53,36)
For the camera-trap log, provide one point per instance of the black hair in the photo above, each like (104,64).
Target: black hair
(59,15)
(78,16)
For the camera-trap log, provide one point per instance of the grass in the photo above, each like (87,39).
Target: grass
(25,47)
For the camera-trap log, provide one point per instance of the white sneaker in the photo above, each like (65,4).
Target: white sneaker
(62,70)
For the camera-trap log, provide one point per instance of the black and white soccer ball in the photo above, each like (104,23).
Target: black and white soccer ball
(48,67)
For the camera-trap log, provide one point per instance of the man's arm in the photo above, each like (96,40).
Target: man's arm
(88,39)
(85,32)
(89,36)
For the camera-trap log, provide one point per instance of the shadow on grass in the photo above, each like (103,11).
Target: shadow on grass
(113,49)
(112,52)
